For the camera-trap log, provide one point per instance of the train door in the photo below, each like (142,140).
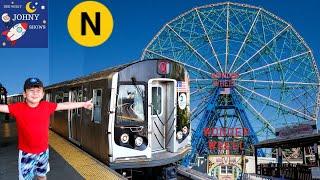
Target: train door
(161,113)
(99,118)
(74,120)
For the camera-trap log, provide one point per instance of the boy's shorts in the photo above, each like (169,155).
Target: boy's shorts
(31,165)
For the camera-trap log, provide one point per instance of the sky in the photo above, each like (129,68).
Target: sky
(135,24)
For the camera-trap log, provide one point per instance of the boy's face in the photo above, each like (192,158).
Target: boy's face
(33,95)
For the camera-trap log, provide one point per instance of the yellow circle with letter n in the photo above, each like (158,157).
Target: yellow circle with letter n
(90,23)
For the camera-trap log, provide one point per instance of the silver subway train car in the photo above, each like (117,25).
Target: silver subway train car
(140,116)
(3,95)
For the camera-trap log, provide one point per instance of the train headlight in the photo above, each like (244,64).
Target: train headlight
(124,138)
(138,141)
(185,130)
(179,135)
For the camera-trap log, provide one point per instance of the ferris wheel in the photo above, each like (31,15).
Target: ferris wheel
(245,56)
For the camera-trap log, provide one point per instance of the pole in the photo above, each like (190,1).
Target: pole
(279,160)
(256,159)
(316,153)
(303,154)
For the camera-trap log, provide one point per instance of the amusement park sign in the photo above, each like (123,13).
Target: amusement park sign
(225,80)
(225,132)
(296,130)
(224,160)
(216,163)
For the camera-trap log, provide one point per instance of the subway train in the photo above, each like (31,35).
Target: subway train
(3,94)
(3,100)
(140,117)
(15,98)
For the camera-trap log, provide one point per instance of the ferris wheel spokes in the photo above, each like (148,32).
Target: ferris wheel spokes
(276,36)
(227,39)
(264,120)
(278,82)
(209,40)
(193,50)
(279,104)
(275,63)
(245,39)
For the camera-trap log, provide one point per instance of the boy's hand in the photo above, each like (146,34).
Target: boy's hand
(88,104)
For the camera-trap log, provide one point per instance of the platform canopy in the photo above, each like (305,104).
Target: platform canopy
(290,142)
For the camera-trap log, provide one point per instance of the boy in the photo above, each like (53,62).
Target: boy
(32,118)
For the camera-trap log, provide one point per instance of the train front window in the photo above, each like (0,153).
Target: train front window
(130,104)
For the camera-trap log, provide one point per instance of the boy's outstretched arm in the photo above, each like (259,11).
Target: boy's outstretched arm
(4,108)
(74,105)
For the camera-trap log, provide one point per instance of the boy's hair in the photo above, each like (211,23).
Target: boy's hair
(32,82)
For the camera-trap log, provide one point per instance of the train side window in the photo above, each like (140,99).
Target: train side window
(74,98)
(48,96)
(97,102)
(156,100)
(79,97)
(59,97)
(85,94)
(66,97)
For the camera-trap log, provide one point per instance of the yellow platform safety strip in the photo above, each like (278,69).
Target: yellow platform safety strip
(83,163)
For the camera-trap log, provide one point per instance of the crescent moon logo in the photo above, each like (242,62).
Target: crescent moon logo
(29,9)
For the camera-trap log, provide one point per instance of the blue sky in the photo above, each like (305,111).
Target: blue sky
(135,24)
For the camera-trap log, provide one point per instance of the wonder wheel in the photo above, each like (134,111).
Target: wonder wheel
(248,68)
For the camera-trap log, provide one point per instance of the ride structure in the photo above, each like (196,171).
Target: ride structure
(250,71)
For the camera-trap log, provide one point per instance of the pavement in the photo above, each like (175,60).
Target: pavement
(60,169)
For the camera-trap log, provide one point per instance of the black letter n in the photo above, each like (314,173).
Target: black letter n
(85,17)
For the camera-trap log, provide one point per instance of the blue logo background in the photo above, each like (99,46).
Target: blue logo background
(15,16)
